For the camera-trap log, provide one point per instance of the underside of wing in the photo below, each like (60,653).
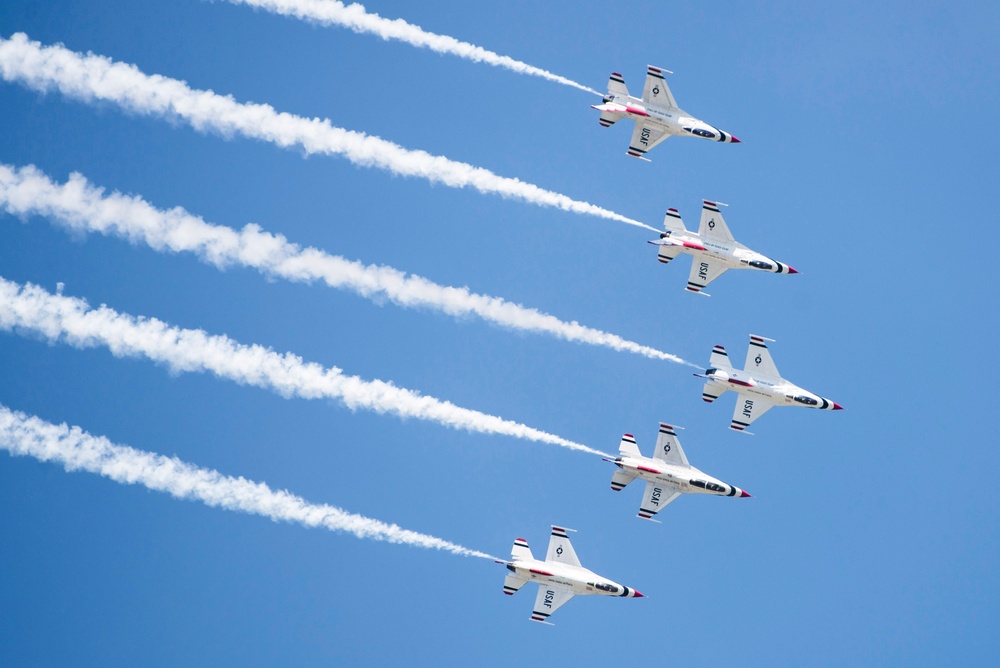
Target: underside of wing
(560,549)
(712,223)
(656,498)
(703,272)
(656,90)
(747,410)
(759,360)
(644,138)
(668,447)
(549,599)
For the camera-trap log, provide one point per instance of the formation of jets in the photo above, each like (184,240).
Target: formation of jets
(759,386)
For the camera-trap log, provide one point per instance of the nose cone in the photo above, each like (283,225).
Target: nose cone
(637,594)
(745,494)
(837,407)
(734,140)
(793,270)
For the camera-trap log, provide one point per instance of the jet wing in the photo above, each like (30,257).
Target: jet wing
(703,272)
(550,598)
(644,138)
(759,360)
(657,91)
(560,549)
(712,224)
(747,410)
(668,448)
(655,499)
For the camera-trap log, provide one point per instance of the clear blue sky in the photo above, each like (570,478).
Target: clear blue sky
(868,163)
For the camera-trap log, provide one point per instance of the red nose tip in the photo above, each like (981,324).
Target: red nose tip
(735,140)
(744,494)
(793,270)
(837,407)
(637,594)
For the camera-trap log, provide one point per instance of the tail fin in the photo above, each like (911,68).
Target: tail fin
(616,85)
(672,221)
(520,551)
(628,447)
(718,360)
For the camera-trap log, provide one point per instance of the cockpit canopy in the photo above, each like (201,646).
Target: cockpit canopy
(760,265)
(710,486)
(808,401)
(603,586)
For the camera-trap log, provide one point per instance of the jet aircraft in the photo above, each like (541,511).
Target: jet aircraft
(656,115)
(560,577)
(713,249)
(759,385)
(667,474)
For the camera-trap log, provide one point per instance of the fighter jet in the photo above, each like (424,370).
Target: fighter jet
(656,115)
(667,474)
(760,387)
(713,248)
(560,577)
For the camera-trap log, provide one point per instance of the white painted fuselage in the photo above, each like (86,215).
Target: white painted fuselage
(731,254)
(671,121)
(683,479)
(777,391)
(577,579)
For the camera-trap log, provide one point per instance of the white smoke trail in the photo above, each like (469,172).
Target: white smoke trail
(360,20)
(71,320)
(81,206)
(91,77)
(76,450)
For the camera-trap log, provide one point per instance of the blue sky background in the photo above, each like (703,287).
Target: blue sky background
(868,163)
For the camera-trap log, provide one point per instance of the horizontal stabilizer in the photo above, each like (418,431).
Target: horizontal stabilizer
(628,447)
(616,85)
(713,391)
(673,221)
(520,551)
(620,479)
(512,583)
(719,359)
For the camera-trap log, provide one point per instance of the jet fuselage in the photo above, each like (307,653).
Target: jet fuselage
(671,121)
(577,579)
(776,390)
(684,479)
(729,253)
